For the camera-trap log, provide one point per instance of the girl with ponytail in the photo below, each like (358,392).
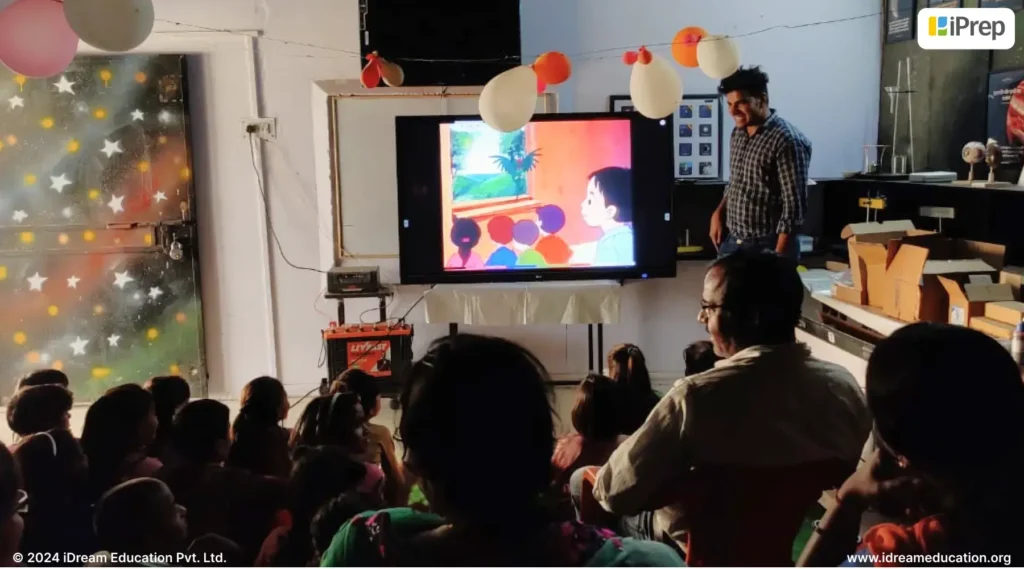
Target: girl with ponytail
(628,369)
(259,442)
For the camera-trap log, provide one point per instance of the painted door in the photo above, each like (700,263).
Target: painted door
(98,268)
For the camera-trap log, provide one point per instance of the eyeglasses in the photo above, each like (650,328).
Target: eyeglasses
(708,307)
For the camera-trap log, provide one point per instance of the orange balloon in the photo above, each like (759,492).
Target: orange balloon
(684,45)
(553,67)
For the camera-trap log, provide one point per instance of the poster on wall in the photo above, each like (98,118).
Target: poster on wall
(1006,112)
(1011,4)
(697,139)
(900,21)
(945,3)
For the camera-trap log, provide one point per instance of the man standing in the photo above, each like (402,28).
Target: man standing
(768,408)
(765,200)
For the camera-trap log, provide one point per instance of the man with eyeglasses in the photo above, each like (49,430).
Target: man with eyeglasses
(765,200)
(768,411)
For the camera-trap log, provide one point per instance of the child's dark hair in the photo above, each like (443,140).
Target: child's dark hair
(262,401)
(335,513)
(258,442)
(200,428)
(112,432)
(38,409)
(43,377)
(749,80)
(465,235)
(362,384)
(616,185)
(627,367)
(169,392)
(594,416)
(332,420)
(466,464)
(699,357)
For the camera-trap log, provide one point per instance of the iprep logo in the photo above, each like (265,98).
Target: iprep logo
(966,28)
(938,25)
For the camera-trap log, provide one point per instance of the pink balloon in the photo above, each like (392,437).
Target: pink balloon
(35,38)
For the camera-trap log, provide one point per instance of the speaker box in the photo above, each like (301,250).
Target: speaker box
(447,42)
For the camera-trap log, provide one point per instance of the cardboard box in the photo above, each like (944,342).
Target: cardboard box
(994,328)
(870,254)
(968,300)
(1010,311)
(847,293)
(1014,276)
(912,274)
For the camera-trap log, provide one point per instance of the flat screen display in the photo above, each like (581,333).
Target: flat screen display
(509,205)
(580,196)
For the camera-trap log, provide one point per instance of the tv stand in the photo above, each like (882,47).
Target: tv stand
(594,303)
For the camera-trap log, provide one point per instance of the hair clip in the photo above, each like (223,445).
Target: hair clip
(53,442)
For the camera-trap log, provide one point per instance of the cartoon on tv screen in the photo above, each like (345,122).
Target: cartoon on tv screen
(552,195)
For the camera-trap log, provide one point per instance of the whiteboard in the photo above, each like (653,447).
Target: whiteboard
(365,179)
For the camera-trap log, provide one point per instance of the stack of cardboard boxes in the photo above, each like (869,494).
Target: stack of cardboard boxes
(916,275)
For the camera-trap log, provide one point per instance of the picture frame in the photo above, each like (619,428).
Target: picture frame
(620,104)
(900,20)
(697,134)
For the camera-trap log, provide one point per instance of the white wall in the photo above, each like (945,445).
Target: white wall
(824,79)
(270,321)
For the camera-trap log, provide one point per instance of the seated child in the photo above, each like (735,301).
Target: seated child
(552,247)
(699,357)
(500,230)
(526,233)
(465,236)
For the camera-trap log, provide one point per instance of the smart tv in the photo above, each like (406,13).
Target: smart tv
(567,197)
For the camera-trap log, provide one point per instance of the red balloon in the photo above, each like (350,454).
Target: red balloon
(553,67)
(541,86)
(35,38)
(371,76)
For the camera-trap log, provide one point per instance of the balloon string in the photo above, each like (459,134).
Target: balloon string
(592,55)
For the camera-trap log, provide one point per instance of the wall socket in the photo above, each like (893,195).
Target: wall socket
(264,129)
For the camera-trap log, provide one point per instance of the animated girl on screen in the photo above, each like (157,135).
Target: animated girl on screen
(609,205)
(465,236)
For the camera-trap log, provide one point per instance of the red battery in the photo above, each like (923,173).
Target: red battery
(381,350)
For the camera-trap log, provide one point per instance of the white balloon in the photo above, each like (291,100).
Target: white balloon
(509,100)
(655,88)
(111,25)
(718,56)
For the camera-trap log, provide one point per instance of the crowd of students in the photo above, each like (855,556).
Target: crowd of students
(719,470)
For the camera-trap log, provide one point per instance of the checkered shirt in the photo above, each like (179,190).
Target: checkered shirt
(767,192)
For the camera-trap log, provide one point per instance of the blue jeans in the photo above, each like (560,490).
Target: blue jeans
(640,526)
(731,244)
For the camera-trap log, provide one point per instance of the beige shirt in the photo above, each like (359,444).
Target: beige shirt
(765,406)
